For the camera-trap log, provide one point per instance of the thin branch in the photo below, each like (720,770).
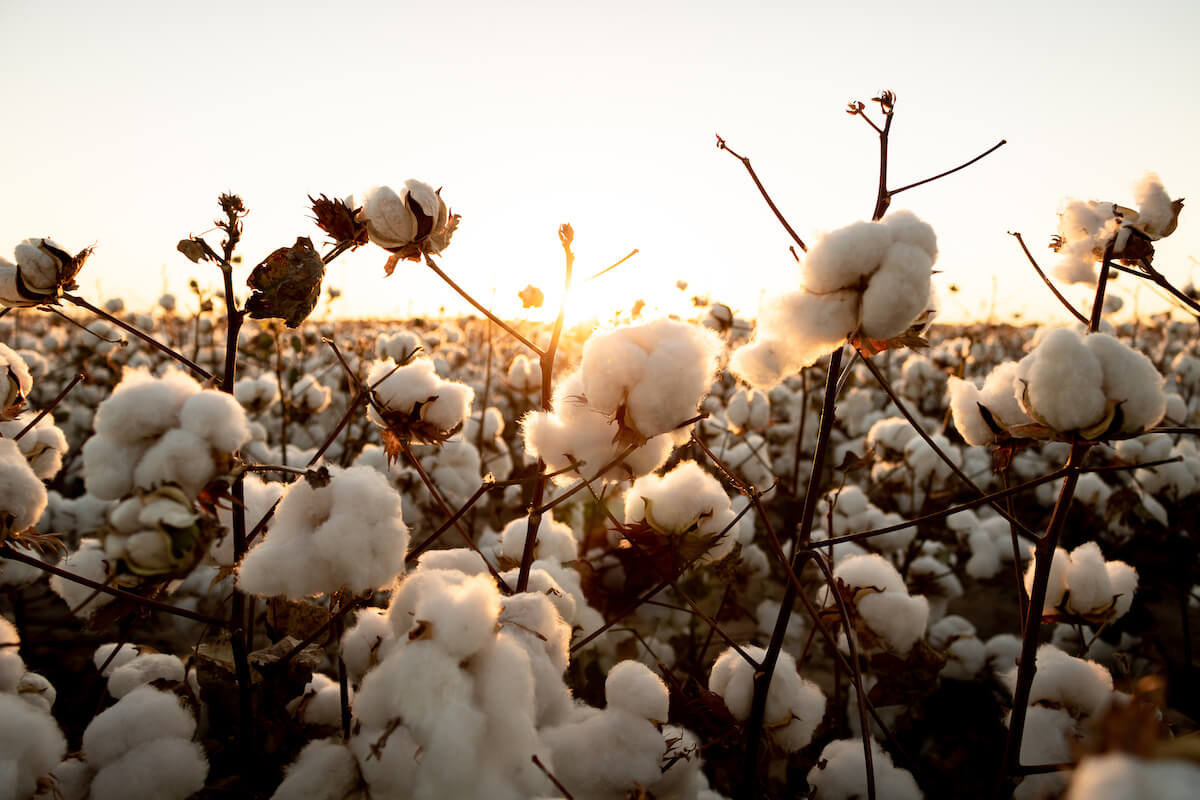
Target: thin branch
(510,330)
(985,153)
(1046,279)
(631,254)
(763,191)
(53,404)
(145,337)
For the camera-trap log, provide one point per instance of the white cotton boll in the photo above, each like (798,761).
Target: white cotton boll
(218,418)
(364,642)
(1084,227)
(897,293)
(260,496)
(37,690)
(1087,580)
(688,501)
(143,407)
(15,573)
(1056,585)
(71,780)
(31,746)
(554,540)
(1155,213)
(397,346)
(144,715)
(905,226)
(309,396)
(399,388)
(631,686)
(1120,776)
(104,655)
(22,495)
(606,754)
(461,559)
(845,256)
(1062,382)
(614,363)
(324,770)
(1123,579)
(418,683)
(401,612)
(89,561)
(841,773)
(12,666)
(144,669)
(1131,382)
(19,381)
(891,434)
(1003,652)
(985,561)
(534,615)
(140,772)
(321,703)
(965,400)
(763,363)
(460,618)
(180,457)
(870,571)
(525,375)
(1047,736)
(897,619)
(1081,687)
(388,759)
(108,466)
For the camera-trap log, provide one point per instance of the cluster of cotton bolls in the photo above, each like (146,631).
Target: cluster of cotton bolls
(1094,384)
(635,388)
(158,430)
(346,533)
(31,743)
(872,277)
(1087,229)
(891,619)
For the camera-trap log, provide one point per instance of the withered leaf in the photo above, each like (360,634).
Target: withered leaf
(192,249)
(287,284)
(318,478)
(339,221)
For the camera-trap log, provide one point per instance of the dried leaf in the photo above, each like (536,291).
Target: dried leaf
(287,284)
(339,221)
(193,250)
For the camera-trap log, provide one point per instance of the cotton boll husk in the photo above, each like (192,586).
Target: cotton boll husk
(89,561)
(1130,380)
(143,407)
(897,293)
(845,256)
(631,686)
(841,774)
(554,540)
(31,746)
(12,666)
(144,669)
(898,619)
(140,772)
(324,770)
(144,715)
(460,618)
(1120,776)
(364,642)
(22,494)
(180,457)
(218,418)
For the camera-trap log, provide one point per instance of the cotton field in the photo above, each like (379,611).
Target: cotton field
(834,551)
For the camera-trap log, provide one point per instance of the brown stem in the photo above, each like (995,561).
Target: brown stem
(53,404)
(1046,279)
(763,191)
(145,337)
(985,153)
(510,330)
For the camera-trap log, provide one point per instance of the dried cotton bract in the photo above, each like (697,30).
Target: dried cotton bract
(872,277)
(346,534)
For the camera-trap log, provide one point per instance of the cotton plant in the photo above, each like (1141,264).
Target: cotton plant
(413,403)
(42,269)
(1094,385)
(1086,229)
(871,278)
(342,532)
(887,617)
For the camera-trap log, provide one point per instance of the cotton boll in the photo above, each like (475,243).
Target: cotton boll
(554,540)
(388,758)
(898,619)
(897,293)
(1056,584)
(1087,580)
(460,618)
(1062,382)
(795,706)
(181,457)
(418,683)
(143,407)
(36,690)
(1156,215)
(968,419)
(984,562)
(12,666)
(872,571)
(259,496)
(1131,382)
(70,780)
(104,655)
(841,774)
(142,716)
(1120,776)
(217,418)
(633,687)
(1003,652)
(1081,687)
(524,375)
(321,703)
(606,754)
(143,669)
(31,746)
(23,494)
(845,257)
(364,642)
(324,770)
(461,559)
(108,467)
(904,226)
(140,773)
(1123,579)
(89,561)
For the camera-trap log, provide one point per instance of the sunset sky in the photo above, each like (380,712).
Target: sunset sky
(125,120)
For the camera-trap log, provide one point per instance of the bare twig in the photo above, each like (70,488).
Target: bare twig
(721,145)
(1046,279)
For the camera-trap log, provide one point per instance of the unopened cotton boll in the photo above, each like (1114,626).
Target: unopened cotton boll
(415,214)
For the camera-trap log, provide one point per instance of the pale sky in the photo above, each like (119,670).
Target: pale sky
(125,120)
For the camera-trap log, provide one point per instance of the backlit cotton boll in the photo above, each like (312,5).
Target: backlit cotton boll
(414,218)
(41,270)
(22,494)
(349,533)
(689,507)
(795,705)
(416,403)
(18,382)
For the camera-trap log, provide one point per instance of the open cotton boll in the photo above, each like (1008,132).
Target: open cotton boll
(22,494)
(524,375)
(795,706)
(461,617)
(364,642)
(108,466)
(1084,228)
(348,534)
(181,457)
(31,746)
(897,293)
(321,703)
(140,772)
(12,666)
(416,388)
(142,407)
(1121,776)
(631,686)
(687,502)
(606,754)
(897,619)
(419,683)
(256,393)
(845,256)
(554,540)
(1131,382)
(965,653)
(388,760)
(89,561)
(1062,382)
(397,346)
(37,690)
(18,380)
(324,770)
(16,573)
(841,773)
(1056,584)
(217,418)
(143,669)
(1082,687)
(869,571)
(144,715)
(104,655)
(259,496)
